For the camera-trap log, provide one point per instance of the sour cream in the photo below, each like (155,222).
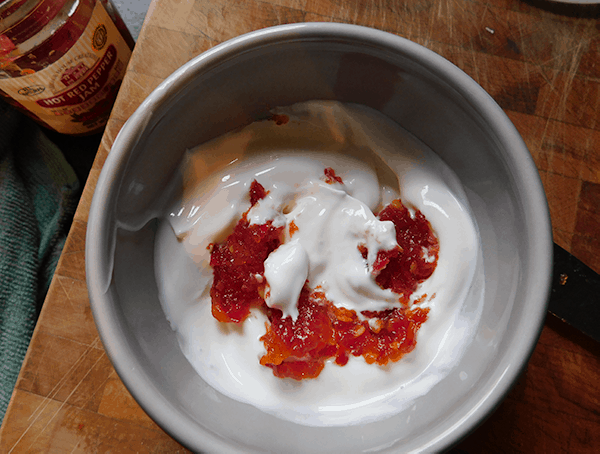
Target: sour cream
(378,162)
(331,225)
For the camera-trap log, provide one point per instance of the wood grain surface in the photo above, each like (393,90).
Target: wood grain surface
(539,60)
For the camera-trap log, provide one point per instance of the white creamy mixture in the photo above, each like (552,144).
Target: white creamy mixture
(378,162)
(331,224)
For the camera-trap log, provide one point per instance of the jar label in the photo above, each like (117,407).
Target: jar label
(75,94)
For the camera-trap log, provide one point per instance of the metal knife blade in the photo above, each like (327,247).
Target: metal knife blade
(575,296)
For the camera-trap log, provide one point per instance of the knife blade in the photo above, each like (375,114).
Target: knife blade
(575,295)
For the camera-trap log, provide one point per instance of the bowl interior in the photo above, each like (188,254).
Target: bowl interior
(225,88)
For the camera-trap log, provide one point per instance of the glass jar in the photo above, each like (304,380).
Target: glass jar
(62,61)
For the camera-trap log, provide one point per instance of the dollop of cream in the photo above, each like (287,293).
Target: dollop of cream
(330,225)
(286,270)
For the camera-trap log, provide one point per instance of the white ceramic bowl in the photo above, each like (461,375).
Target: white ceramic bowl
(224,88)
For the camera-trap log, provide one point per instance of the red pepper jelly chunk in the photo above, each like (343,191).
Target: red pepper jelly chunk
(299,348)
(279,119)
(257,192)
(238,265)
(331,177)
(386,335)
(419,251)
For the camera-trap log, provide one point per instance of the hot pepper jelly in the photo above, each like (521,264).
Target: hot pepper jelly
(62,61)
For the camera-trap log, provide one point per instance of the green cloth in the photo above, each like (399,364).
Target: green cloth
(38,195)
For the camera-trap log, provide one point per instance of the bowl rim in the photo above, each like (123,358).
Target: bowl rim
(98,271)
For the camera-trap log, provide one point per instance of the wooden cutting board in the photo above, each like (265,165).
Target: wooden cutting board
(539,60)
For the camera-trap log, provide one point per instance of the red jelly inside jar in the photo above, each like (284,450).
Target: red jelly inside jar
(48,64)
